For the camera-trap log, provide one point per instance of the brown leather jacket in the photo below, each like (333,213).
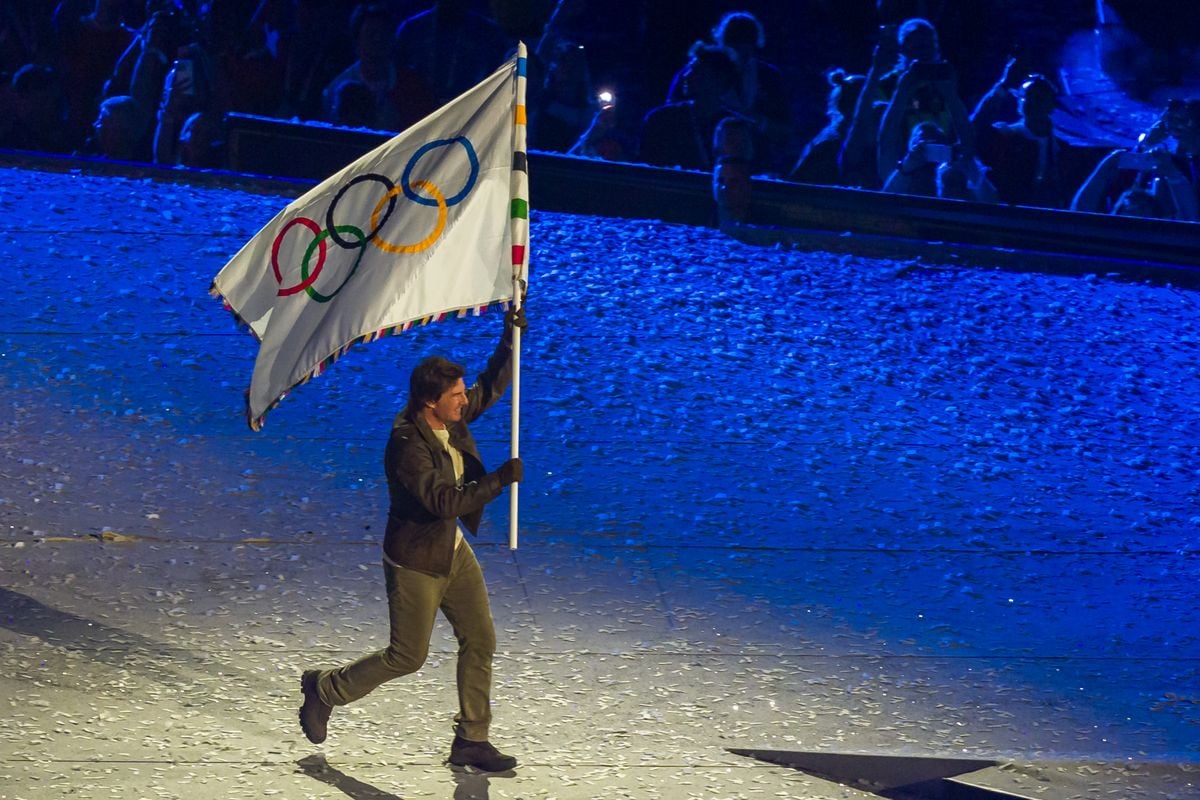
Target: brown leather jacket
(425,500)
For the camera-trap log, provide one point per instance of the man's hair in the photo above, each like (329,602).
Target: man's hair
(430,379)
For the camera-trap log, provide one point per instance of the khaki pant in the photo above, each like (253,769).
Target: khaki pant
(413,602)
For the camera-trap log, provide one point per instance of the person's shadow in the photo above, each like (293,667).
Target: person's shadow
(155,660)
(468,785)
(315,766)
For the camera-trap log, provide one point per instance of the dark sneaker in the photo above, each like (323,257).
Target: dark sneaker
(480,755)
(314,714)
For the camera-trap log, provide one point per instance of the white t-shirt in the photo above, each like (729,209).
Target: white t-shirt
(456,459)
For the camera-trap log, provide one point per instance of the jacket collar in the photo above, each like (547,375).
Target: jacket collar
(418,423)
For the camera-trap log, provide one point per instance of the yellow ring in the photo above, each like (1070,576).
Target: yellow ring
(424,244)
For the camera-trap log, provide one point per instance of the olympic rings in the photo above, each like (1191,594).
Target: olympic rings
(380,215)
(425,148)
(320,242)
(387,246)
(329,226)
(308,279)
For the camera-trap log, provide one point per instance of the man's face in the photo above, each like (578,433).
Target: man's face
(450,406)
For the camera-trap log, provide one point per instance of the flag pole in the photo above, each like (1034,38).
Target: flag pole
(520,240)
(516,428)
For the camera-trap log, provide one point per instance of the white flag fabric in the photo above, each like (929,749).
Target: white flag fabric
(433,222)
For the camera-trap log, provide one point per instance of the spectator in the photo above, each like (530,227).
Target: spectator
(187,91)
(141,68)
(1158,188)
(354,105)
(925,90)
(563,24)
(219,64)
(202,142)
(931,87)
(819,161)
(759,94)
(857,160)
(734,147)
(285,58)
(964,178)
(35,111)
(1029,162)
(969,33)
(564,104)
(394,104)
(91,46)
(928,149)
(1159,176)
(1177,130)
(267,47)
(1139,201)
(165,70)
(122,130)
(26,36)
(607,137)
(246,76)
(932,166)
(569,112)
(681,134)
(311,56)
(449,48)
(1000,103)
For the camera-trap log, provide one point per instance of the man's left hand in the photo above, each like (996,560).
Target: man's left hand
(515,318)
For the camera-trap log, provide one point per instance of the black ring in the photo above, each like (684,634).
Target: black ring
(383,218)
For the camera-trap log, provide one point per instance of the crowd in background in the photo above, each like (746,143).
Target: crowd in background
(944,99)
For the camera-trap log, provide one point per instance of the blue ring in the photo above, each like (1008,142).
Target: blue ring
(425,148)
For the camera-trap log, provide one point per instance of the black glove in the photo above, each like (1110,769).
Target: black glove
(511,471)
(515,318)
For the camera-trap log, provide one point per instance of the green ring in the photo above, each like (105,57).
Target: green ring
(316,242)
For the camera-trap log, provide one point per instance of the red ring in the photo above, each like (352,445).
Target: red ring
(304,284)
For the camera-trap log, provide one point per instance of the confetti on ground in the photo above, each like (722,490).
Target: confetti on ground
(776,498)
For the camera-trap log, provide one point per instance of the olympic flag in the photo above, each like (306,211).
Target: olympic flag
(433,222)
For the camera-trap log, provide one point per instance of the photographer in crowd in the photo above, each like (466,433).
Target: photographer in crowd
(934,167)
(908,83)
(1030,163)
(1157,178)
(926,92)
